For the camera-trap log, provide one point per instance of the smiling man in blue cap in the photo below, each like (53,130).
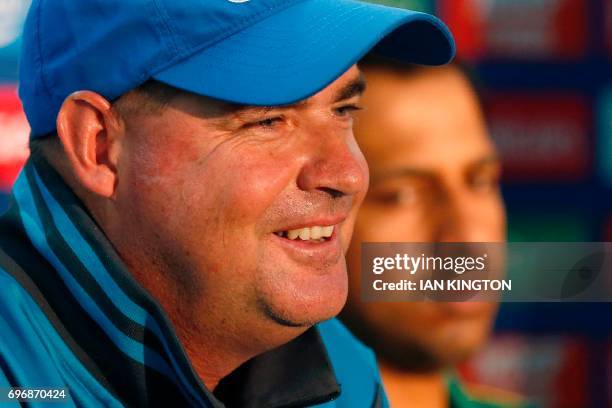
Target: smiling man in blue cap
(178,234)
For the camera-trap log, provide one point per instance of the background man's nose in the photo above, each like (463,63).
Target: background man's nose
(461,221)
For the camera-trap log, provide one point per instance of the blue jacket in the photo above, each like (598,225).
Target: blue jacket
(74,322)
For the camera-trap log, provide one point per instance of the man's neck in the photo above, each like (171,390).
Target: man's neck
(212,351)
(406,389)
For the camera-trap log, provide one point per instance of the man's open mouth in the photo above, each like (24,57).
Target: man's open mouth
(310,234)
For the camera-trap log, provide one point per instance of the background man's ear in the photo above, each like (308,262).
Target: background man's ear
(88,130)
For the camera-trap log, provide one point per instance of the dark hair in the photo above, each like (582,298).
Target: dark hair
(152,96)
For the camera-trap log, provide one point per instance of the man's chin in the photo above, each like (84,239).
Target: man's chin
(421,358)
(306,316)
(297,322)
(307,300)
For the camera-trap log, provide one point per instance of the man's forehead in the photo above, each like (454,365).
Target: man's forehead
(351,84)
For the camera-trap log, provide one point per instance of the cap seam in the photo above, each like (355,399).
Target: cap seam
(243,23)
(40,58)
(164,21)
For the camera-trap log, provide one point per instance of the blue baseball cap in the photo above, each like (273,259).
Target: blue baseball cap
(252,52)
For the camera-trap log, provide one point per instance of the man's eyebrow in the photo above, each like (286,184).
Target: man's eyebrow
(354,88)
(484,162)
(238,110)
(490,159)
(402,172)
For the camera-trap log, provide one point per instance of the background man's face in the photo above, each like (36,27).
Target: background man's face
(434,178)
(214,190)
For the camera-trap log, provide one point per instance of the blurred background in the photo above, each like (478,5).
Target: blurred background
(545,68)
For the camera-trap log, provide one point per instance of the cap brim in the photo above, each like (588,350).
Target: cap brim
(295,53)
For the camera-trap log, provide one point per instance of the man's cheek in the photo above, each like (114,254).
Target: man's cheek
(348,229)
(364,168)
(254,189)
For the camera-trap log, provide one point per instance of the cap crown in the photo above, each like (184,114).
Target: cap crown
(112,46)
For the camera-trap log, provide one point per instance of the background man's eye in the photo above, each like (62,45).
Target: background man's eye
(404,196)
(407,195)
(485,183)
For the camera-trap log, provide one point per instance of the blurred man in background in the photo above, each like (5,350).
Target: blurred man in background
(434,178)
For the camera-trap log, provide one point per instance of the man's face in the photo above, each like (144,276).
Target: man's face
(434,178)
(217,194)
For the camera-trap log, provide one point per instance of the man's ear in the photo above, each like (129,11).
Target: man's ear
(88,130)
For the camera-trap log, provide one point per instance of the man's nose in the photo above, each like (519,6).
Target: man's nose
(337,167)
(463,222)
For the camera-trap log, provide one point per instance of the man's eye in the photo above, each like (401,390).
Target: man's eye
(485,183)
(268,122)
(403,196)
(347,110)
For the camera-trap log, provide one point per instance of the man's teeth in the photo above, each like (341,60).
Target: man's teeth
(316,233)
